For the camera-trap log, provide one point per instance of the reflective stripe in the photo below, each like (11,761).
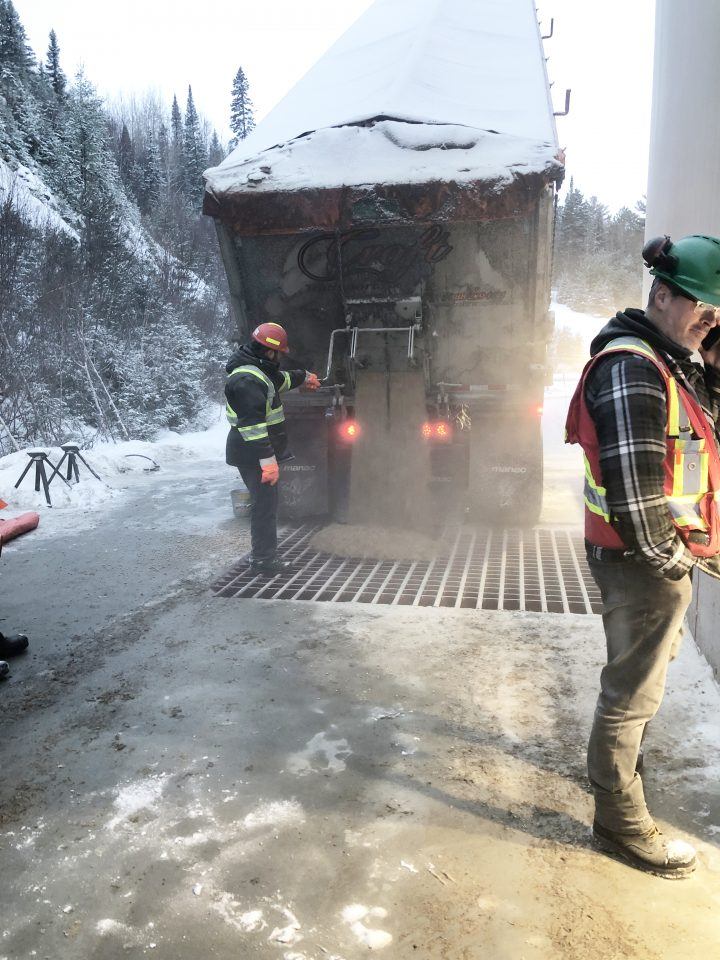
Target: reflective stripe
(595,495)
(273,414)
(276,416)
(258,431)
(285,385)
(683,517)
(254,372)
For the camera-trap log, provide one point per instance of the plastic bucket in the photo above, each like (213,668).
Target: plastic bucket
(240,498)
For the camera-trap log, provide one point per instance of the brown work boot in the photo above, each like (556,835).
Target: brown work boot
(649,851)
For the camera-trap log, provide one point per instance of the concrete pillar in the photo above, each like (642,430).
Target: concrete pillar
(684,181)
(684,172)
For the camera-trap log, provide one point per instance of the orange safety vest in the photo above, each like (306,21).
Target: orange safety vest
(692,461)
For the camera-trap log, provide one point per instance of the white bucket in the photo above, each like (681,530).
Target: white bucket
(240,502)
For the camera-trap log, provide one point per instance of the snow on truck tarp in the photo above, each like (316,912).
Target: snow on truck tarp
(475,64)
(387,152)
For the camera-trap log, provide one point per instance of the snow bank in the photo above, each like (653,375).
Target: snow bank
(478,65)
(34,199)
(116,464)
(386,152)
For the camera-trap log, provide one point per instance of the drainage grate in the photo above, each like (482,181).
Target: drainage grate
(543,570)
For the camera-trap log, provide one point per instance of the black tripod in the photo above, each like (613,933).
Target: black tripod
(40,458)
(72,455)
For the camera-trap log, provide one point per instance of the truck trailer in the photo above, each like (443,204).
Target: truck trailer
(395,213)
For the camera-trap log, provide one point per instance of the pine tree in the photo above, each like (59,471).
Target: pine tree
(55,74)
(195,151)
(126,156)
(242,121)
(176,156)
(14,50)
(216,154)
(176,124)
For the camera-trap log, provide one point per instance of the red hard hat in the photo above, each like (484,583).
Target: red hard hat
(272,336)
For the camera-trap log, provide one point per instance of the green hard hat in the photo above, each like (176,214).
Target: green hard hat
(692,265)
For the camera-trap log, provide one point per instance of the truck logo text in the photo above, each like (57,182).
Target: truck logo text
(356,252)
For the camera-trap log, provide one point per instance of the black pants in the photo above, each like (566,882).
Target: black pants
(263,512)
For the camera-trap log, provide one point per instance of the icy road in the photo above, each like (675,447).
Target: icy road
(185,776)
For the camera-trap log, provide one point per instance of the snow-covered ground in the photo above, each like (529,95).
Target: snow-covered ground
(120,467)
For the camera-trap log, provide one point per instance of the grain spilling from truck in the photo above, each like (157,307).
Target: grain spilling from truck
(389,513)
(390,471)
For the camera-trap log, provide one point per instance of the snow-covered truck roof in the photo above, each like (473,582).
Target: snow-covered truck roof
(416,92)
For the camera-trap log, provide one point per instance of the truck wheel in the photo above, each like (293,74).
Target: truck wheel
(505,471)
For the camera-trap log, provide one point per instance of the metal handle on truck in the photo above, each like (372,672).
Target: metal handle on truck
(354,332)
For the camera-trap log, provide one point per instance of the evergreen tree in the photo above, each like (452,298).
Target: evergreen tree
(176,158)
(111,304)
(176,124)
(55,74)
(195,150)
(242,121)
(14,51)
(216,154)
(126,157)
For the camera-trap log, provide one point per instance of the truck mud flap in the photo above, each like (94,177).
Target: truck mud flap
(303,486)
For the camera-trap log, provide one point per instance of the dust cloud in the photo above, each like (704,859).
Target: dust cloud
(390,514)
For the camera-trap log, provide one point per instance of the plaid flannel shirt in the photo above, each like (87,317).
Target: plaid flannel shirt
(627,401)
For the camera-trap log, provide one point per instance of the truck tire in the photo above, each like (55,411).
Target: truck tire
(505,471)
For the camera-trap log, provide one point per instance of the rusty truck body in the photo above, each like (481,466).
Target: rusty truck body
(388,243)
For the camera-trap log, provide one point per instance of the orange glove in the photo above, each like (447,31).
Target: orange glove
(311,381)
(270,471)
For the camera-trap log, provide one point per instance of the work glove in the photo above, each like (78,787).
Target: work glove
(270,471)
(311,381)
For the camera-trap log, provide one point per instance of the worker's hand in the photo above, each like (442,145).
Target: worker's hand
(311,381)
(712,356)
(270,471)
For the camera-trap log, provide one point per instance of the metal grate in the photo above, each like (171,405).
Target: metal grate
(542,570)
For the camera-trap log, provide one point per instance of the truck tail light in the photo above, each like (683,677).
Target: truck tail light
(437,431)
(349,430)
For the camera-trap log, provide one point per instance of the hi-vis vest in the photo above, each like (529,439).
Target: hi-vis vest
(692,461)
(274,413)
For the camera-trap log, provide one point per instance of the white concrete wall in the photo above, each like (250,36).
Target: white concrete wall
(684,171)
(684,181)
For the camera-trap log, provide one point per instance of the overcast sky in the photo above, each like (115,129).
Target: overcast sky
(603,51)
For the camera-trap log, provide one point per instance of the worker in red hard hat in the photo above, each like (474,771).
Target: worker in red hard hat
(257,441)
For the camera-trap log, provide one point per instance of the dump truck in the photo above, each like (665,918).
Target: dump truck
(395,212)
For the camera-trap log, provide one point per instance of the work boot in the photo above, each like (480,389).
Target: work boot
(4,668)
(649,851)
(271,568)
(11,646)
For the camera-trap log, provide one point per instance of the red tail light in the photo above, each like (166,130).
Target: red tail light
(439,431)
(350,430)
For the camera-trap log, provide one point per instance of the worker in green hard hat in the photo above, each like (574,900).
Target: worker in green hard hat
(645,414)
